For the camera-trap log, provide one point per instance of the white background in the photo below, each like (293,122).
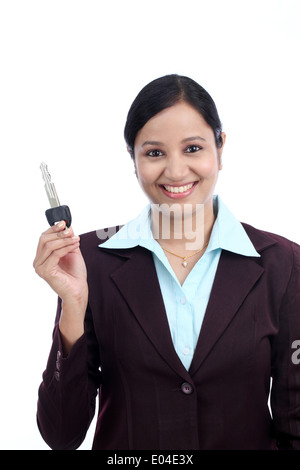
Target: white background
(69,72)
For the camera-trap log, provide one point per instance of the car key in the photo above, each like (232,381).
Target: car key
(56,213)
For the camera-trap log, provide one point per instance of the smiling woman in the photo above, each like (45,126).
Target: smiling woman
(180,343)
(167,164)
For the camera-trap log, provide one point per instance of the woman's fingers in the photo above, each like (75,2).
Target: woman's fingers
(58,227)
(49,265)
(53,240)
(56,248)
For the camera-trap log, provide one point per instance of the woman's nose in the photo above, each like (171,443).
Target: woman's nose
(176,168)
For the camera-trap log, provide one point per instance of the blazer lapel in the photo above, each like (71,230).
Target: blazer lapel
(235,277)
(137,281)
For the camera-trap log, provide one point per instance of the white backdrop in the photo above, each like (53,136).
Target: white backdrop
(69,72)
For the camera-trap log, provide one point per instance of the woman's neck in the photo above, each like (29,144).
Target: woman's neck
(184,228)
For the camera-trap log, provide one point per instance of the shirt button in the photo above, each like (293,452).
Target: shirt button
(186,351)
(183,300)
(186,388)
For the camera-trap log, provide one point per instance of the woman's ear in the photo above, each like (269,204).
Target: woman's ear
(131,154)
(220,150)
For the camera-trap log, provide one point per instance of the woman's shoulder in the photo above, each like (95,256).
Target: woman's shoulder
(101,235)
(90,241)
(272,243)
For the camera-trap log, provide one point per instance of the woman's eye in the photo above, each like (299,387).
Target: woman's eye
(154,153)
(192,148)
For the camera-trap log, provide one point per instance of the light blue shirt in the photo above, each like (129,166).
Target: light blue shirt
(185,304)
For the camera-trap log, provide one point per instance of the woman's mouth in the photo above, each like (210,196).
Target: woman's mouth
(177,192)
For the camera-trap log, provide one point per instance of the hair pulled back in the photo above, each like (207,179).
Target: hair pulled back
(164,92)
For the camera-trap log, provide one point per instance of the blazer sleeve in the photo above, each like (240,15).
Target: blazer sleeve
(285,393)
(67,394)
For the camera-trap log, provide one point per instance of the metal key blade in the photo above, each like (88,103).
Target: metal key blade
(49,186)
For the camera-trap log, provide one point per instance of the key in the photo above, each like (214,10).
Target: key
(56,213)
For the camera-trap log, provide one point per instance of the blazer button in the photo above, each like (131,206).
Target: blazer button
(187,388)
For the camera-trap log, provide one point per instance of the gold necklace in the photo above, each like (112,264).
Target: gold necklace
(184,262)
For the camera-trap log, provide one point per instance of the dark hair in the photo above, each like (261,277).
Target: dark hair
(164,92)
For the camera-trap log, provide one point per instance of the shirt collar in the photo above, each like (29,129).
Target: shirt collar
(227,234)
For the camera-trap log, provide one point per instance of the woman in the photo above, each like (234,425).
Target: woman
(181,317)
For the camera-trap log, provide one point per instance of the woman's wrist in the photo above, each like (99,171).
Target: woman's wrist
(71,323)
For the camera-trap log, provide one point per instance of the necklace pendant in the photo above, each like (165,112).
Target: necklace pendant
(184,264)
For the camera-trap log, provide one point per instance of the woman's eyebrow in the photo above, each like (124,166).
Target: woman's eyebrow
(152,142)
(196,137)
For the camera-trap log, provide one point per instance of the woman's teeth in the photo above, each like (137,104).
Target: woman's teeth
(178,189)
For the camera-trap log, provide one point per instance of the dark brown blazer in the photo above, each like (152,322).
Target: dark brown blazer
(147,399)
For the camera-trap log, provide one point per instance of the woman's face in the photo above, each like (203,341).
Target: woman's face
(176,157)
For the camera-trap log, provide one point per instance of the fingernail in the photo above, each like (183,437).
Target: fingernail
(61,224)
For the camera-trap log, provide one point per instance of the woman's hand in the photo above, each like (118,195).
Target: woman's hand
(60,263)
